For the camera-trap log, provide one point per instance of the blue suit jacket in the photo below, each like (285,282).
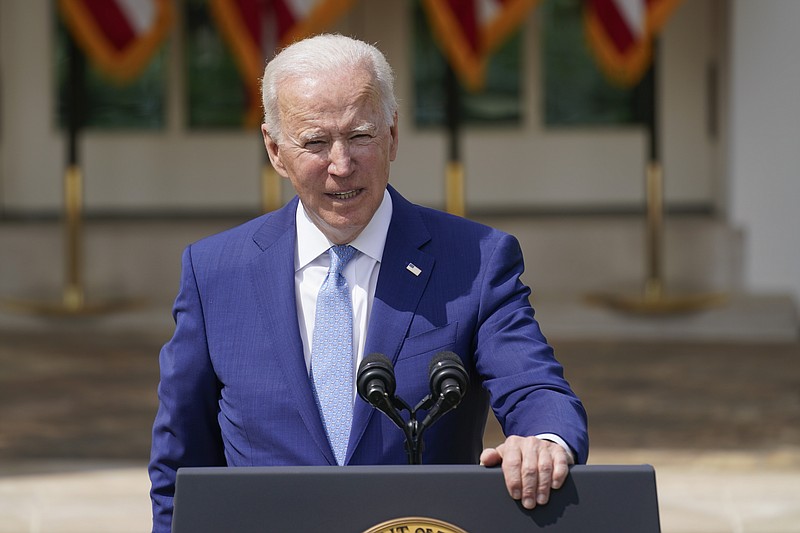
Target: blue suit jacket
(234,387)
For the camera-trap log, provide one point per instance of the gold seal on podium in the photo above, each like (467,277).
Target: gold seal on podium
(415,524)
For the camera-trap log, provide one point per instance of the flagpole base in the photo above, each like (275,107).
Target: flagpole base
(658,303)
(71,306)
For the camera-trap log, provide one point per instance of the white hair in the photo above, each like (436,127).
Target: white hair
(325,53)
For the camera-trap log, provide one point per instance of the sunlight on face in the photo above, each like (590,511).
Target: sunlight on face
(336,149)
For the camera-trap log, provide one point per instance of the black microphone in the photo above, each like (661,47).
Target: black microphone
(448,380)
(375,378)
(376,385)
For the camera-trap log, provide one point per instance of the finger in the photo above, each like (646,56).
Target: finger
(546,469)
(490,457)
(530,474)
(560,471)
(512,463)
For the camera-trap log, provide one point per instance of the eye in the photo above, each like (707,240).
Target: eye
(314,144)
(360,137)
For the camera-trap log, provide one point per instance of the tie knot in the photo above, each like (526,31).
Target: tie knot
(340,255)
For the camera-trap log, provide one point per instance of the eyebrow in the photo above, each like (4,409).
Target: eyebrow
(367,127)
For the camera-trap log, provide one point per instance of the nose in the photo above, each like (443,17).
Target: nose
(340,162)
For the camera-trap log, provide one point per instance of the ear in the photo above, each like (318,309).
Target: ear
(273,151)
(395,138)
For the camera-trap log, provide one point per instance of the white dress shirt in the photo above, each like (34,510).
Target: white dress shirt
(311,264)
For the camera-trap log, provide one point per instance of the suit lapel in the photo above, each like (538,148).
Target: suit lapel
(405,271)
(273,275)
(404,274)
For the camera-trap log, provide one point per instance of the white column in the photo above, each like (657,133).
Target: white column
(764,150)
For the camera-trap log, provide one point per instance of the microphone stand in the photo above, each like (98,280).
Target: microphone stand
(413,428)
(376,386)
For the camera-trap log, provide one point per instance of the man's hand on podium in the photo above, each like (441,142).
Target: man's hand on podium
(531,467)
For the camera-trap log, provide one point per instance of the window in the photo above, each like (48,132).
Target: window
(576,92)
(216,96)
(106,104)
(499,103)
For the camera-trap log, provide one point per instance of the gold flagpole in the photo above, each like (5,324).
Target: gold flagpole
(73,299)
(454,182)
(655,299)
(654,283)
(270,189)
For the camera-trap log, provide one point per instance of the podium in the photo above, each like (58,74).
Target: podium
(409,499)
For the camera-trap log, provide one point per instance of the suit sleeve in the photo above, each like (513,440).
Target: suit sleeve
(186,431)
(526,384)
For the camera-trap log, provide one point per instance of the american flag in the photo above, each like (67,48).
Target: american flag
(119,36)
(254,29)
(468,31)
(621,33)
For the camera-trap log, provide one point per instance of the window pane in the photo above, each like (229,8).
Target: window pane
(108,105)
(499,103)
(576,92)
(216,96)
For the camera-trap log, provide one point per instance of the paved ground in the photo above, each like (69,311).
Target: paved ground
(720,421)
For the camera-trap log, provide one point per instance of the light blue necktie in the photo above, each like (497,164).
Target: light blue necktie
(332,353)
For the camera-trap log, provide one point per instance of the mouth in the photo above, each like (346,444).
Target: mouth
(346,195)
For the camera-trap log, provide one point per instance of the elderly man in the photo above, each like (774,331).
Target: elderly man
(274,316)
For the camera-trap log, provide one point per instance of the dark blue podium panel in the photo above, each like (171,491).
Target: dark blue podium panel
(356,499)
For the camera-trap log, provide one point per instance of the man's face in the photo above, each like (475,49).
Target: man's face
(336,149)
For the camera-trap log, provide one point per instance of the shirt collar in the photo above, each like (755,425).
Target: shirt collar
(311,242)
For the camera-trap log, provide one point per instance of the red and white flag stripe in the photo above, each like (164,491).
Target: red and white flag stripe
(254,29)
(468,31)
(119,36)
(621,32)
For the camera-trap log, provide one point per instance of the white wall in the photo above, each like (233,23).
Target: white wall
(531,166)
(524,167)
(752,173)
(764,153)
(172,169)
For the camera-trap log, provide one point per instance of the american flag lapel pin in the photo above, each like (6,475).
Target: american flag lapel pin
(414,269)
